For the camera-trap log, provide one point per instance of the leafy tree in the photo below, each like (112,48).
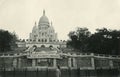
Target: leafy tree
(79,38)
(73,40)
(97,41)
(105,41)
(7,40)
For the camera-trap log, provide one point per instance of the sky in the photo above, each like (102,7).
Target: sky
(19,16)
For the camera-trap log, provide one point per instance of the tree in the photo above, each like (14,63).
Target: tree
(105,41)
(97,41)
(7,40)
(73,39)
(79,38)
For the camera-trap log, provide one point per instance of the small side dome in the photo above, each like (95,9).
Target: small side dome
(34,28)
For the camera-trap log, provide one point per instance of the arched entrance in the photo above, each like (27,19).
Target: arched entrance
(35,46)
(50,46)
(43,46)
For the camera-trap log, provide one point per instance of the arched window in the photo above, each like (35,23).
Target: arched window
(45,40)
(42,40)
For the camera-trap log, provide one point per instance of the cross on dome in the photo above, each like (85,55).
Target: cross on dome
(43,12)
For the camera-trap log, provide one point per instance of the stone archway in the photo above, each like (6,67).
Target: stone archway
(51,46)
(43,46)
(35,46)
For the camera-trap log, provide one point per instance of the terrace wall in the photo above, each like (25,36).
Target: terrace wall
(67,60)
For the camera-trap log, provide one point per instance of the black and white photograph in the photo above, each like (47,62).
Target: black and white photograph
(59,38)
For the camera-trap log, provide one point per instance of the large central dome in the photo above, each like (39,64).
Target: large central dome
(44,19)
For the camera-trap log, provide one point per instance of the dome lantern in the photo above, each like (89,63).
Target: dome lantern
(43,19)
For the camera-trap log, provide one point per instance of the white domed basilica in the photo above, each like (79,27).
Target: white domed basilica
(44,31)
(43,34)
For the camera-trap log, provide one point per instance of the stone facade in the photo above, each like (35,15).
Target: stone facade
(42,33)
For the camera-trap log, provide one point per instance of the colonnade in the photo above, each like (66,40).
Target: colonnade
(72,62)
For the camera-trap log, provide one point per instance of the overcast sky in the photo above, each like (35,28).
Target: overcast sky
(66,15)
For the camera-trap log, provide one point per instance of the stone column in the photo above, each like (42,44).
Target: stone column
(69,62)
(19,62)
(33,62)
(15,62)
(54,62)
(74,61)
(92,61)
(111,63)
